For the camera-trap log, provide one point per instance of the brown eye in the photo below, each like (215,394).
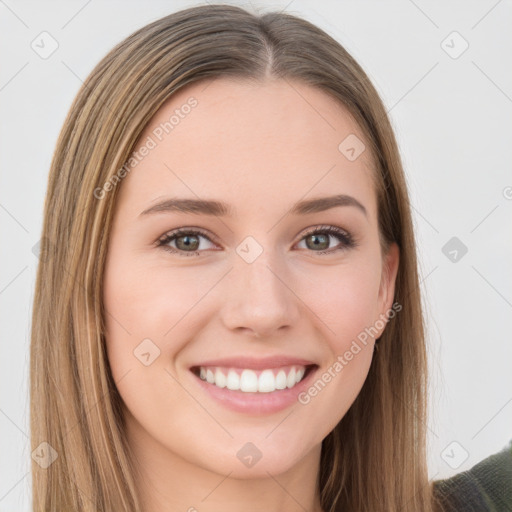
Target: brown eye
(186,241)
(318,240)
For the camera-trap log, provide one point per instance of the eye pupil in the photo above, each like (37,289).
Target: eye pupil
(316,244)
(187,244)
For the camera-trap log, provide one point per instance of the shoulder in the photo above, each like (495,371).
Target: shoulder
(486,487)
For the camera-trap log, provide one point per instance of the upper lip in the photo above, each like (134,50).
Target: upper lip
(254,363)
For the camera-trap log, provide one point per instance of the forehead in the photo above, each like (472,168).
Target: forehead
(250,144)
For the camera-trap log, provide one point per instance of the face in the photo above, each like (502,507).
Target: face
(266,281)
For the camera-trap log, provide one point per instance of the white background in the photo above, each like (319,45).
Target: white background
(453,121)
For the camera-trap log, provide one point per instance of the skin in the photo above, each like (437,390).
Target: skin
(259,147)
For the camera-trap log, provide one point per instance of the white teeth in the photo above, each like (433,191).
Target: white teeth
(290,381)
(249,381)
(233,381)
(266,382)
(220,379)
(281,380)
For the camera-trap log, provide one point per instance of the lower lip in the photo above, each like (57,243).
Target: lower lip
(256,403)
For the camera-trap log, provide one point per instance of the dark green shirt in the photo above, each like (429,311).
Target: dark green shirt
(486,487)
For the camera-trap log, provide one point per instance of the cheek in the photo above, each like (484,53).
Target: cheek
(150,309)
(345,300)
(147,302)
(141,310)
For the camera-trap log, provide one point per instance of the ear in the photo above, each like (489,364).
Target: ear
(387,284)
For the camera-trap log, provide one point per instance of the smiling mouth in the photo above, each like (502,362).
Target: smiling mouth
(253,381)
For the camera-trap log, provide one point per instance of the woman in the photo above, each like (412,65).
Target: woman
(234,320)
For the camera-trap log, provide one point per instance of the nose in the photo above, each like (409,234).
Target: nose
(259,299)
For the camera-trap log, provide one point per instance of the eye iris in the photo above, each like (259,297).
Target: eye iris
(187,243)
(317,244)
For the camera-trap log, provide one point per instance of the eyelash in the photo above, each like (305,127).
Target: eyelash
(347,240)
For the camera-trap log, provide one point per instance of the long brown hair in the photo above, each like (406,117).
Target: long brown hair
(374,459)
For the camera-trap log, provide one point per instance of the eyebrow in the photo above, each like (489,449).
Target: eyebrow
(220,209)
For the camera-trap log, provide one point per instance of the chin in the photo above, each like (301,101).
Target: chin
(256,459)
